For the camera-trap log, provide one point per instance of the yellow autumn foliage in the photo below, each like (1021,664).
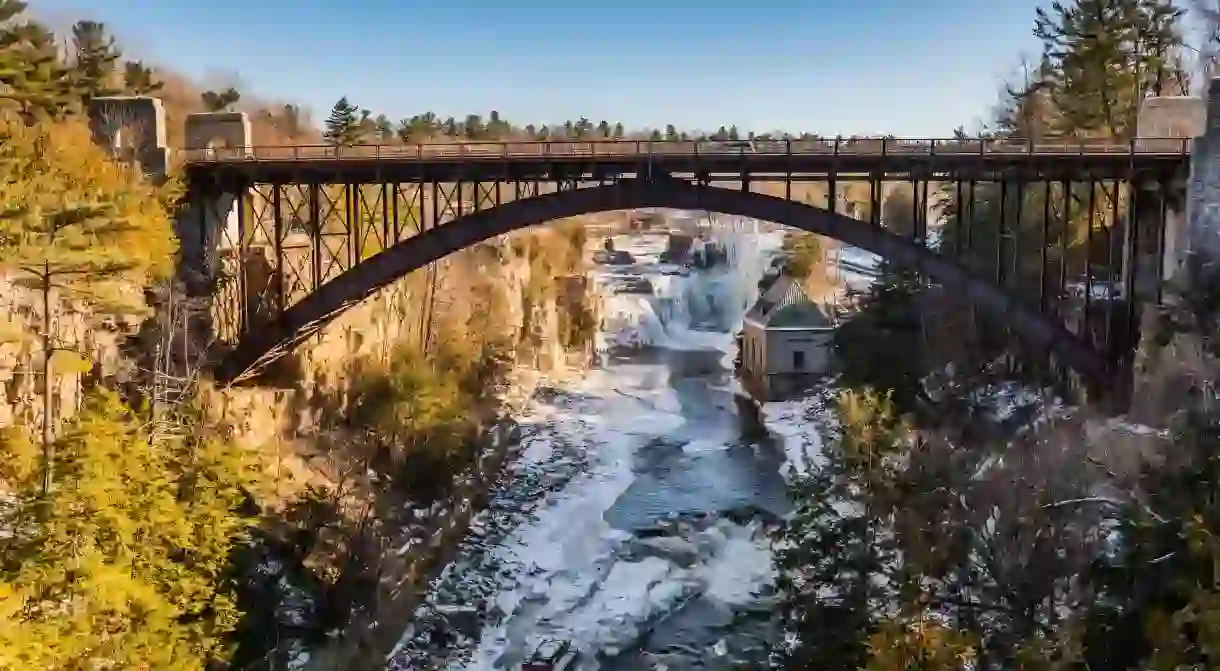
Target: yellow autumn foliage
(68,211)
(123,565)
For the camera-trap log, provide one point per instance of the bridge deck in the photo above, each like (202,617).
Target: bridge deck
(760,160)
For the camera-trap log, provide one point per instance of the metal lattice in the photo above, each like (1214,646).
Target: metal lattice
(1080,235)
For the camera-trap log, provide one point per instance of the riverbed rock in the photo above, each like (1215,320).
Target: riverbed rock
(670,548)
(710,541)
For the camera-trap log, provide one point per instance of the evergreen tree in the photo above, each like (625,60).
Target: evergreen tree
(123,564)
(82,228)
(343,124)
(290,121)
(828,553)
(618,131)
(1102,57)
(733,134)
(497,127)
(880,344)
(139,79)
(384,128)
(450,127)
(218,101)
(34,83)
(671,133)
(655,135)
(95,60)
(474,128)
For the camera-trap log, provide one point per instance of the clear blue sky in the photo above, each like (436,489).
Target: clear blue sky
(908,67)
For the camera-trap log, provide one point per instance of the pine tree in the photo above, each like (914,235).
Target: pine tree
(139,79)
(384,128)
(881,345)
(342,126)
(218,101)
(33,80)
(497,127)
(136,535)
(1102,57)
(82,229)
(95,60)
(618,131)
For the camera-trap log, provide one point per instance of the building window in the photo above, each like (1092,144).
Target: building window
(798,360)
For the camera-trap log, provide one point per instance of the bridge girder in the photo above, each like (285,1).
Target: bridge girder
(302,320)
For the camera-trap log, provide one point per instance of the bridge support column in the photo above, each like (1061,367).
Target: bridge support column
(132,128)
(1180,117)
(217,218)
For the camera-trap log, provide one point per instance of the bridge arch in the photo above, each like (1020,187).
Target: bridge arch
(305,318)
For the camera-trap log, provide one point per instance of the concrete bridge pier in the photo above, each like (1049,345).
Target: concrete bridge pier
(1192,227)
(133,128)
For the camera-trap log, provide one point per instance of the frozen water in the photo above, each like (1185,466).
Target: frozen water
(647,447)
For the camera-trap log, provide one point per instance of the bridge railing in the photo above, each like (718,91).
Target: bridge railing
(611,149)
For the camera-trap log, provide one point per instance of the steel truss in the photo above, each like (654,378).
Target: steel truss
(1055,237)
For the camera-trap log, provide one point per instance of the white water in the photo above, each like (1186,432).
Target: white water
(567,573)
(699,311)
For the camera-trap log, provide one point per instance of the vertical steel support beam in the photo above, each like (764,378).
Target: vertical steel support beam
(1162,223)
(1018,219)
(1066,188)
(315,236)
(1131,263)
(960,208)
(243,253)
(1047,194)
(923,218)
(386,228)
(396,214)
(350,208)
(278,227)
(436,205)
(874,198)
(1111,264)
(1001,232)
(1088,258)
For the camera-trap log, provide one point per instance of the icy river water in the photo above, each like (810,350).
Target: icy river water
(633,523)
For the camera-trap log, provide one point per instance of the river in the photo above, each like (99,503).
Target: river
(633,525)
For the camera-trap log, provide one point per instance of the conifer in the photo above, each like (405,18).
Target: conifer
(95,61)
(139,80)
(79,227)
(343,124)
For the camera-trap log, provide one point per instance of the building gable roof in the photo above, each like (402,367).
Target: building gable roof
(786,304)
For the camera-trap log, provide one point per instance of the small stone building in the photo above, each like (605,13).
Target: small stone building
(786,342)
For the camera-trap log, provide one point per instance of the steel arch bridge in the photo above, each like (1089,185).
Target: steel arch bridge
(311,232)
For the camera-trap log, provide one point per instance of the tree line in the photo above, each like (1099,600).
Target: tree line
(349,124)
